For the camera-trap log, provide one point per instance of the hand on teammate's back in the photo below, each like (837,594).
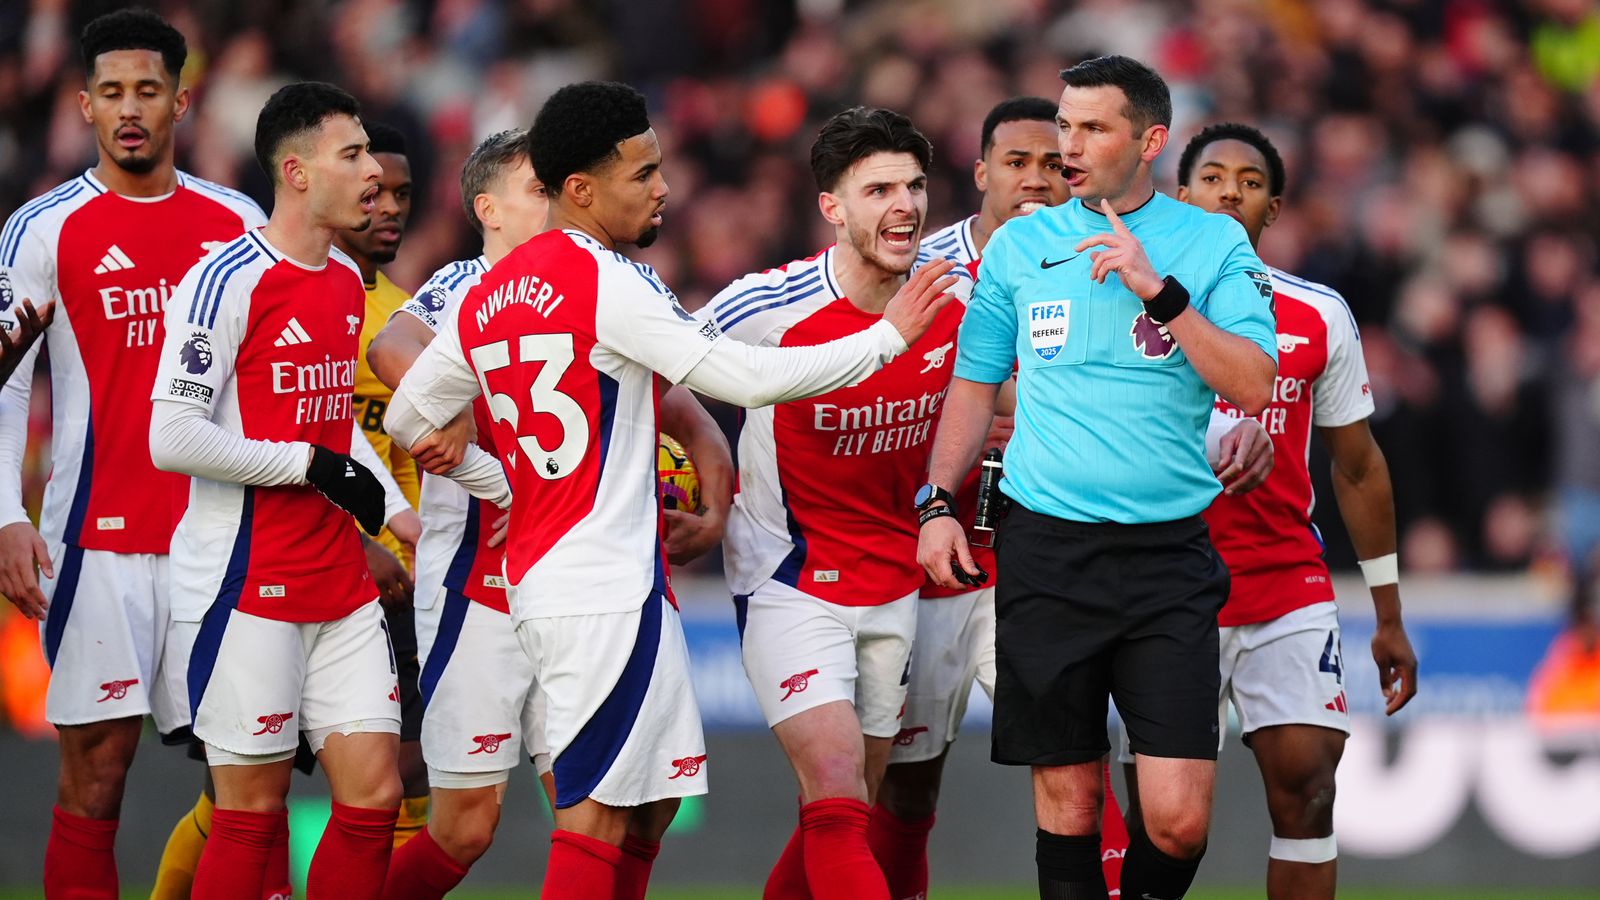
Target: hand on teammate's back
(348,485)
(912,309)
(21,550)
(14,344)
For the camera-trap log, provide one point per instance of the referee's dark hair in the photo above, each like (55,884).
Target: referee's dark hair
(1016,109)
(1149,101)
(856,134)
(1234,131)
(133,29)
(579,128)
(382,138)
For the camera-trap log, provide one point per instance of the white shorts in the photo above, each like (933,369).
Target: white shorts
(801,652)
(106,636)
(256,683)
(955,644)
(480,703)
(621,719)
(1284,671)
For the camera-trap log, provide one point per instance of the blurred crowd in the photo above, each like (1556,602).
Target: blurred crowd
(1443,156)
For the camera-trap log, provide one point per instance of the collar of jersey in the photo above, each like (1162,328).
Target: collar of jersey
(1094,218)
(88,175)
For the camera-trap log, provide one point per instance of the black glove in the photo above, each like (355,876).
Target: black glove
(349,485)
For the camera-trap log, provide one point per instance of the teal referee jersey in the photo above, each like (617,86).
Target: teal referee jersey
(1111,417)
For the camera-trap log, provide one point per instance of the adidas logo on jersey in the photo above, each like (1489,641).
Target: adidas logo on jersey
(293,333)
(114,261)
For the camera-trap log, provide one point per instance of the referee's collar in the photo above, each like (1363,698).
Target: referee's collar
(1131,216)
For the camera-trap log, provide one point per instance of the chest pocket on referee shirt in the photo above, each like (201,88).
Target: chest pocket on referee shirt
(1054,333)
(1135,340)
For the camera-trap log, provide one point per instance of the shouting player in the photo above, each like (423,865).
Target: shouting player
(390,555)
(107,248)
(567,339)
(270,586)
(821,557)
(1282,664)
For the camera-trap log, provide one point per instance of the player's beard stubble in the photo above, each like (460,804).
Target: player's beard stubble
(648,237)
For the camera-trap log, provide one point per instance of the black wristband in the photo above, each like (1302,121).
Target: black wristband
(1169,304)
(933,512)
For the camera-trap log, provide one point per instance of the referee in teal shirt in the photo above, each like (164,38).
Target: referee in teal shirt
(1124,312)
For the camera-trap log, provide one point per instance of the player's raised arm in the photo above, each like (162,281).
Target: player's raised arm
(761,376)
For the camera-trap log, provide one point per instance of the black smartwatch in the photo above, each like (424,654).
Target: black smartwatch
(931,493)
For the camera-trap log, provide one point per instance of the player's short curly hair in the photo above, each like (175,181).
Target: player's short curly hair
(384,138)
(294,110)
(1015,109)
(488,162)
(579,128)
(1149,100)
(133,29)
(859,132)
(1234,131)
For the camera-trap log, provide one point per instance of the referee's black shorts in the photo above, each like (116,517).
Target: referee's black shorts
(1087,610)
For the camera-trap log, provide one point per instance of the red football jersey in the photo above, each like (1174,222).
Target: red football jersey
(267,346)
(112,263)
(565,338)
(1266,537)
(826,483)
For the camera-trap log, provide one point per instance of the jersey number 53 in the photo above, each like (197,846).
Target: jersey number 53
(551,354)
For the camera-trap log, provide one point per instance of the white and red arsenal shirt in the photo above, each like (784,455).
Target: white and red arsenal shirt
(826,483)
(1266,537)
(267,347)
(111,263)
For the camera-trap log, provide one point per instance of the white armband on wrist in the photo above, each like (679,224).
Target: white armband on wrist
(1381,570)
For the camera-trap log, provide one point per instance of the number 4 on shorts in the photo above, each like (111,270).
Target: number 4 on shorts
(1331,658)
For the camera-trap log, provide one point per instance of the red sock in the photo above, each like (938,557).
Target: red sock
(275,885)
(234,863)
(353,857)
(901,848)
(839,863)
(788,878)
(421,870)
(79,862)
(1113,838)
(581,868)
(633,875)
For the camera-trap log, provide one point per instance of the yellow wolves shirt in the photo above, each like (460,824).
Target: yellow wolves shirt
(372,400)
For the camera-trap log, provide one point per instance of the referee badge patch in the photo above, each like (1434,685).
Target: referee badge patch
(1047,327)
(1263,283)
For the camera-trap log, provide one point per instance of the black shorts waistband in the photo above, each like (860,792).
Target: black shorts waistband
(1136,533)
